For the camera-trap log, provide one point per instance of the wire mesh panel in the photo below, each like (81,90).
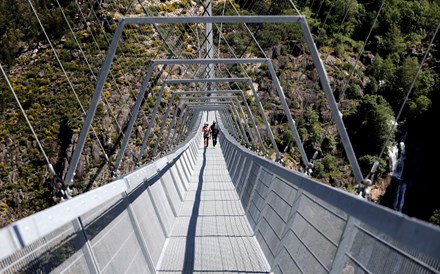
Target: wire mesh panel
(373,252)
(58,252)
(242,178)
(113,240)
(275,216)
(303,226)
(250,185)
(313,236)
(257,203)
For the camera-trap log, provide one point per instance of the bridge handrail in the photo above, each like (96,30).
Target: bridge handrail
(397,230)
(23,232)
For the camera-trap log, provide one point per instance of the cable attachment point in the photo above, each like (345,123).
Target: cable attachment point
(309,169)
(370,175)
(115,173)
(60,190)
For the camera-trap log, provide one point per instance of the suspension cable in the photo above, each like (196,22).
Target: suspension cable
(339,30)
(347,79)
(67,77)
(64,71)
(118,126)
(51,168)
(221,28)
(249,31)
(409,90)
(293,5)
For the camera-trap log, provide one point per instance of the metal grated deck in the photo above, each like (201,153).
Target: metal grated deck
(211,232)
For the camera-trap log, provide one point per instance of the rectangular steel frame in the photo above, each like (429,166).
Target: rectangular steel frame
(103,73)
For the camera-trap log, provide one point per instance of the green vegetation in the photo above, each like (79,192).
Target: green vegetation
(369,102)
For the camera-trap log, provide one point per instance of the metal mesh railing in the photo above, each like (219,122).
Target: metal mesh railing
(304,226)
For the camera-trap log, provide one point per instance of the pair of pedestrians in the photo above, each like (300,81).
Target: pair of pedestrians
(210,131)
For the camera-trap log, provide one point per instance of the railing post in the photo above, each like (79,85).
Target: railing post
(347,239)
(290,220)
(86,248)
(137,231)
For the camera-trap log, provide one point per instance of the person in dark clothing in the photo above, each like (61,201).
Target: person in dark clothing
(215,130)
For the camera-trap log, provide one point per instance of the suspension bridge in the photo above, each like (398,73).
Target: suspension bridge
(176,206)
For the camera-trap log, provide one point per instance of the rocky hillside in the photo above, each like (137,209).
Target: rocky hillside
(369,84)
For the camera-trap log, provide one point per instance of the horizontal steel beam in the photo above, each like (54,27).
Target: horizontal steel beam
(234,91)
(208,98)
(213,19)
(210,61)
(204,80)
(205,108)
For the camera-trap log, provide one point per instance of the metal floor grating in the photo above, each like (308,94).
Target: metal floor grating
(211,232)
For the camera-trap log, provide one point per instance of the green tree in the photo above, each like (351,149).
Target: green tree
(370,125)
(399,86)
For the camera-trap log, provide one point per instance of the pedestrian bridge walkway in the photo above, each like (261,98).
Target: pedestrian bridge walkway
(218,210)
(210,232)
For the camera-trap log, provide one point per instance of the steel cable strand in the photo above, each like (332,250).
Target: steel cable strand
(121,67)
(27,121)
(58,186)
(137,38)
(309,168)
(250,32)
(186,67)
(325,21)
(164,39)
(69,191)
(244,71)
(376,164)
(326,56)
(90,68)
(196,32)
(99,49)
(159,138)
(152,122)
(118,126)
(263,148)
(338,32)
(176,43)
(347,79)
(158,28)
(198,67)
(209,69)
(111,73)
(294,7)
(93,75)
(124,73)
(221,28)
(101,27)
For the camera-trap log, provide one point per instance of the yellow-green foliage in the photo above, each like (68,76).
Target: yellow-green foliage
(167,7)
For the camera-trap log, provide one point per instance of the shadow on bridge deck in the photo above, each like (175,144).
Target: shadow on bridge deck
(211,232)
(222,210)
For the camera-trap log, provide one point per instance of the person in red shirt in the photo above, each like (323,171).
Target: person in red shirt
(206,132)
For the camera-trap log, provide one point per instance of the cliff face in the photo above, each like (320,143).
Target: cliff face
(421,198)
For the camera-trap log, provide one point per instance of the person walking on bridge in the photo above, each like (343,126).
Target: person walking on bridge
(206,132)
(215,130)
